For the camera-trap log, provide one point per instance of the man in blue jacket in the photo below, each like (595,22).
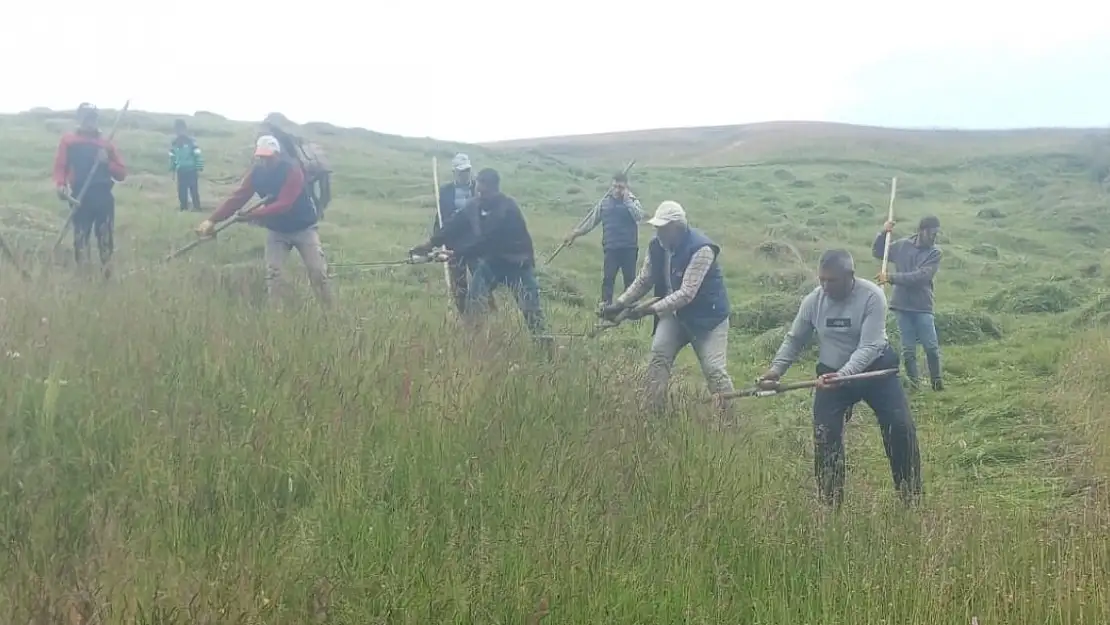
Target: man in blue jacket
(682,265)
(916,260)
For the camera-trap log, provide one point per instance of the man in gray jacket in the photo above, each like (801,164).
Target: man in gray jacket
(916,260)
(619,214)
(848,315)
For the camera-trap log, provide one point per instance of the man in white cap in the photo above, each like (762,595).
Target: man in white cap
(287,213)
(682,266)
(453,197)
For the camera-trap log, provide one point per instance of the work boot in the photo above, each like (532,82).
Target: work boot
(913,376)
(932,357)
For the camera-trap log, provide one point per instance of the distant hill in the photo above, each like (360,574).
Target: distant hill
(753,143)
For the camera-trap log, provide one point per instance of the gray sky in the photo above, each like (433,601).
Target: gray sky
(497,69)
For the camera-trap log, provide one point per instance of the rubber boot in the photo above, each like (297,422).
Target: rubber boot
(909,359)
(932,358)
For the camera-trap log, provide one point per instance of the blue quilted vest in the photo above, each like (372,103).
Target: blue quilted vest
(710,306)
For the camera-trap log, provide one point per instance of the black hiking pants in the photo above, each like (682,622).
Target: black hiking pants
(459,268)
(887,398)
(97,213)
(622,260)
(188,185)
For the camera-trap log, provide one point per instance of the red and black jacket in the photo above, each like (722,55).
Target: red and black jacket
(76,157)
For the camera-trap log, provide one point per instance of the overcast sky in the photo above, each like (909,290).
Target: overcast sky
(484,70)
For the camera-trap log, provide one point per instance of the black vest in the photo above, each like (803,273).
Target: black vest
(267,182)
(81,157)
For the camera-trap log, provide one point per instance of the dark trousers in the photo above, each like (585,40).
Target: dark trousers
(188,185)
(97,213)
(519,278)
(887,398)
(621,260)
(459,268)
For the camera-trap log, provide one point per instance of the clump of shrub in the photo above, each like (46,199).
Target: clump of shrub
(804,204)
(802,184)
(966,327)
(1095,312)
(768,311)
(836,176)
(783,174)
(764,346)
(840,199)
(555,285)
(981,189)
(986,250)
(940,186)
(573,190)
(1045,297)
(976,200)
(864,208)
(990,213)
(791,281)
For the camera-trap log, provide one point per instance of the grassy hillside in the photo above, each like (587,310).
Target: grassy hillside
(177,452)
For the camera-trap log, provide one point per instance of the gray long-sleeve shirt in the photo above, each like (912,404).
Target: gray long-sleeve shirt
(914,269)
(851,333)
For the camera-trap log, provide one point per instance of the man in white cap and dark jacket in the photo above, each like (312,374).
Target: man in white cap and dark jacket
(453,197)
(683,267)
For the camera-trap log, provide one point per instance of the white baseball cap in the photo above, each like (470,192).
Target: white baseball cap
(668,212)
(267,145)
(461,162)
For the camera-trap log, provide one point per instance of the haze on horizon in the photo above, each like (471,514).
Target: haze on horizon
(584,67)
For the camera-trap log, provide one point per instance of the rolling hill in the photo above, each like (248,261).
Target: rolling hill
(178,451)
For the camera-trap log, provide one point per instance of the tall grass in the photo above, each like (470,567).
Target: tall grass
(173,455)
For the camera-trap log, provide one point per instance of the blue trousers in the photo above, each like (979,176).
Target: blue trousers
(519,278)
(919,328)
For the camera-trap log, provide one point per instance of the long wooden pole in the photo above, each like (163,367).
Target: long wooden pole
(889,218)
(439,217)
(793,386)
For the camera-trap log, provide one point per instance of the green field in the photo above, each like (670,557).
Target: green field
(175,451)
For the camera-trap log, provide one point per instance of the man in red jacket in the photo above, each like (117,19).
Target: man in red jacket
(85,156)
(287,212)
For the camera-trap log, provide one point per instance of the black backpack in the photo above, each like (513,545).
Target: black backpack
(313,162)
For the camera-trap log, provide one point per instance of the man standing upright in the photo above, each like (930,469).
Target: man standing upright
(916,260)
(682,265)
(287,213)
(86,157)
(186,163)
(619,214)
(453,197)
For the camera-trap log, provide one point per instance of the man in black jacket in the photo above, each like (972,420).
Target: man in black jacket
(453,197)
(492,231)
